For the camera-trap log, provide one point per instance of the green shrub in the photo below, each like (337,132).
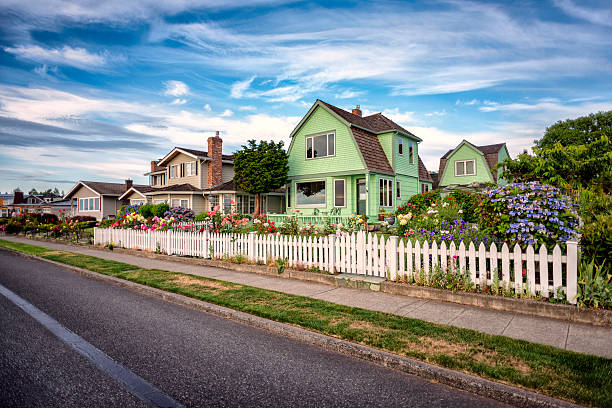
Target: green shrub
(160,209)
(419,202)
(596,240)
(201,217)
(468,203)
(594,285)
(146,210)
(593,203)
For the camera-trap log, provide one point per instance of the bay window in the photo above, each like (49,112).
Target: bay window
(310,194)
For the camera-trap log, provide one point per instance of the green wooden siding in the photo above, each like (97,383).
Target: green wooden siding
(409,186)
(466,152)
(402,162)
(501,156)
(346,159)
(386,141)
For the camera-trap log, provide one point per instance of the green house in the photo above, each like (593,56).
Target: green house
(342,163)
(468,164)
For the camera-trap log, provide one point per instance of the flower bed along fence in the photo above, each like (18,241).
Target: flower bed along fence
(492,269)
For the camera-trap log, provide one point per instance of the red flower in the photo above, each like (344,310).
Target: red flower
(524,272)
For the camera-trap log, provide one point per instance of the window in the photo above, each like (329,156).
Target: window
(137,201)
(191,169)
(175,202)
(320,146)
(213,200)
(227,203)
(411,152)
(465,168)
(173,172)
(289,195)
(424,187)
(339,193)
(386,192)
(310,194)
(398,189)
(400,146)
(159,201)
(89,204)
(251,204)
(184,203)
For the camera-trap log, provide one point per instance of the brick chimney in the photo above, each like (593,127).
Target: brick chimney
(153,165)
(357,111)
(18,197)
(128,184)
(215,167)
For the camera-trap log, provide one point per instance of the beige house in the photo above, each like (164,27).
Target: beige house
(199,180)
(98,199)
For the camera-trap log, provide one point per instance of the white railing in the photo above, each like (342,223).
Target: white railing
(370,254)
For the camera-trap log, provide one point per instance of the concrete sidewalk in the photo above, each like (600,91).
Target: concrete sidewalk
(566,335)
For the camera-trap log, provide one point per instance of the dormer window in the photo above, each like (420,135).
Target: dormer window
(321,146)
(465,168)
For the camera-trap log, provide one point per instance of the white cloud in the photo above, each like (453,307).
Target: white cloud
(248,108)
(207,108)
(400,117)
(75,57)
(178,101)
(176,88)
(227,113)
(595,16)
(239,88)
(347,94)
(468,103)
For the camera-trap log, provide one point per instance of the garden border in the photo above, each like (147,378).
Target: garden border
(479,386)
(522,306)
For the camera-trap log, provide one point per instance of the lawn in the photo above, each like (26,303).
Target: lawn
(559,373)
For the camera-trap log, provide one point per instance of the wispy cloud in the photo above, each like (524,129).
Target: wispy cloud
(601,16)
(176,88)
(75,57)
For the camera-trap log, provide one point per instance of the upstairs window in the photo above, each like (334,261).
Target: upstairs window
(465,168)
(191,169)
(411,152)
(400,146)
(321,146)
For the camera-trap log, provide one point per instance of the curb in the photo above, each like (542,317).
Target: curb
(475,385)
(527,307)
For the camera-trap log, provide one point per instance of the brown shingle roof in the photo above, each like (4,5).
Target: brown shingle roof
(372,151)
(423,173)
(376,123)
(176,187)
(203,153)
(108,188)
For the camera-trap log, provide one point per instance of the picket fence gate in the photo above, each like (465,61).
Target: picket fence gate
(361,253)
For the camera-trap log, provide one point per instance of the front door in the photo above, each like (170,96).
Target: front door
(361,196)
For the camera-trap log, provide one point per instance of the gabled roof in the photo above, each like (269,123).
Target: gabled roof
(101,188)
(196,154)
(137,189)
(423,173)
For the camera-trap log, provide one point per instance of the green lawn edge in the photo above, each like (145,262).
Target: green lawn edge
(576,377)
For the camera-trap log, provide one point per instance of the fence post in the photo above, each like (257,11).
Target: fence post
(392,257)
(251,246)
(168,242)
(572,271)
(331,260)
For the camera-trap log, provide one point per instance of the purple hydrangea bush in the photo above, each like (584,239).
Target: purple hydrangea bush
(528,214)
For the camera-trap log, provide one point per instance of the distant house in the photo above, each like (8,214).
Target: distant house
(345,163)
(199,180)
(18,204)
(468,164)
(98,199)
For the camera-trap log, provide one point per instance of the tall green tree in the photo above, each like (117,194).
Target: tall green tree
(260,168)
(33,192)
(573,154)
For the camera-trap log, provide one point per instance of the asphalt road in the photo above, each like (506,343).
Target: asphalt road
(195,358)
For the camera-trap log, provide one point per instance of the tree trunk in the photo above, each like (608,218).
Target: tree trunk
(257,204)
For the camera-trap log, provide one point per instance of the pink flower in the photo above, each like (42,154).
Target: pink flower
(524,272)
(232,202)
(216,208)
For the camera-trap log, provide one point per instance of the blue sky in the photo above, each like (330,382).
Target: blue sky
(94,90)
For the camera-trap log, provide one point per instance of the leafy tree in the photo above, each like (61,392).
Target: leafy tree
(33,192)
(260,168)
(56,191)
(572,154)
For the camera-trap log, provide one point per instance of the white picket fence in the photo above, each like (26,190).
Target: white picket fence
(371,254)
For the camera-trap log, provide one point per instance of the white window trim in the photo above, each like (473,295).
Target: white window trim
(343,193)
(324,205)
(465,168)
(400,141)
(390,184)
(326,141)
(411,151)
(188,169)
(89,198)
(398,189)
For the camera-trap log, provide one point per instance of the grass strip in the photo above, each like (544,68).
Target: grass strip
(576,377)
